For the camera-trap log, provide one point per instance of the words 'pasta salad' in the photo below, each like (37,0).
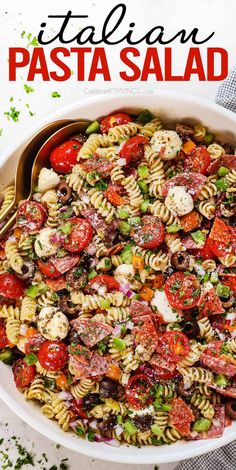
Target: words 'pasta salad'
(118,284)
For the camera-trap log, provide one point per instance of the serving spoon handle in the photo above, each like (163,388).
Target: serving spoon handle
(40,160)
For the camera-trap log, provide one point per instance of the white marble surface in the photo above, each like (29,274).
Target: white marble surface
(17,16)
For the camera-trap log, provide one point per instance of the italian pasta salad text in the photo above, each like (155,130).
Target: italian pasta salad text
(118,284)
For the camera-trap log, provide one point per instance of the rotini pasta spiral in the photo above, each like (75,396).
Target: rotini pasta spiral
(206,330)
(8,198)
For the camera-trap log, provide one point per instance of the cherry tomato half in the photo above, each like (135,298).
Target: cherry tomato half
(133,149)
(102,280)
(173,345)
(77,409)
(64,157)
(23,373)
(3,336)
(53,355)
(48,269)
(114,120)
(30,216)
(137,391)
(10,286)
(151,233)
(56,284)
(182,290)
(198,161)
(80,236)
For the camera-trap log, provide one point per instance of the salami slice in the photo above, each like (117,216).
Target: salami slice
(227,391)
(192,181)
(102,165)
(190,244)
(98,366)
(212,359)
(217,428)
(65,264)
(138,308)
(160,362)
(91,331)
(229,161)
(79,360)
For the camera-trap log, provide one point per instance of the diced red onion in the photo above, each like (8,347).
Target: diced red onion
(130,293)
(117,331)
(121,161)
(37,196)
(84,198)
(129,325)
(63,395)
(199,269)
(98,438)
(187,385)
(23,329)
(63,209)
(194,434)
(221,336)
(121,145)
(93,263)
(112,442)
(102,290)
(119,429)
(124,288)
(91,249)
(93,424)
(73,425)
(230,316)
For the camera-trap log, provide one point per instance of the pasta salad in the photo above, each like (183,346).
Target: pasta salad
(118,284)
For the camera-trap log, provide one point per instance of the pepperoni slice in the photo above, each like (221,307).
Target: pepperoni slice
(91,331)
(48,269)
(113,196)
(181,416)
(101,165)
(150,234)
(229,161)
(173,346)
(182,290)
(192,181)
(210,304)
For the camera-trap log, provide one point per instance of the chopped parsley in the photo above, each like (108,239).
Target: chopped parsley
(12,114)
(55,94)
(28,88)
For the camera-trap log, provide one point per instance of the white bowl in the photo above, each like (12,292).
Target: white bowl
(171,107)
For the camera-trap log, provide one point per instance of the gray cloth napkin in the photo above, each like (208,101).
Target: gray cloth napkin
(226,95)
(225,457)
(220,459)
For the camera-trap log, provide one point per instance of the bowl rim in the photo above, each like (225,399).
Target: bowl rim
(180,451)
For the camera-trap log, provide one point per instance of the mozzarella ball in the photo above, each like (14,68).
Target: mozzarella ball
(43,245)
(50,197)
(48,179)
(167,142)
(124,274)
(178,201)
(160,303)
(52,324)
